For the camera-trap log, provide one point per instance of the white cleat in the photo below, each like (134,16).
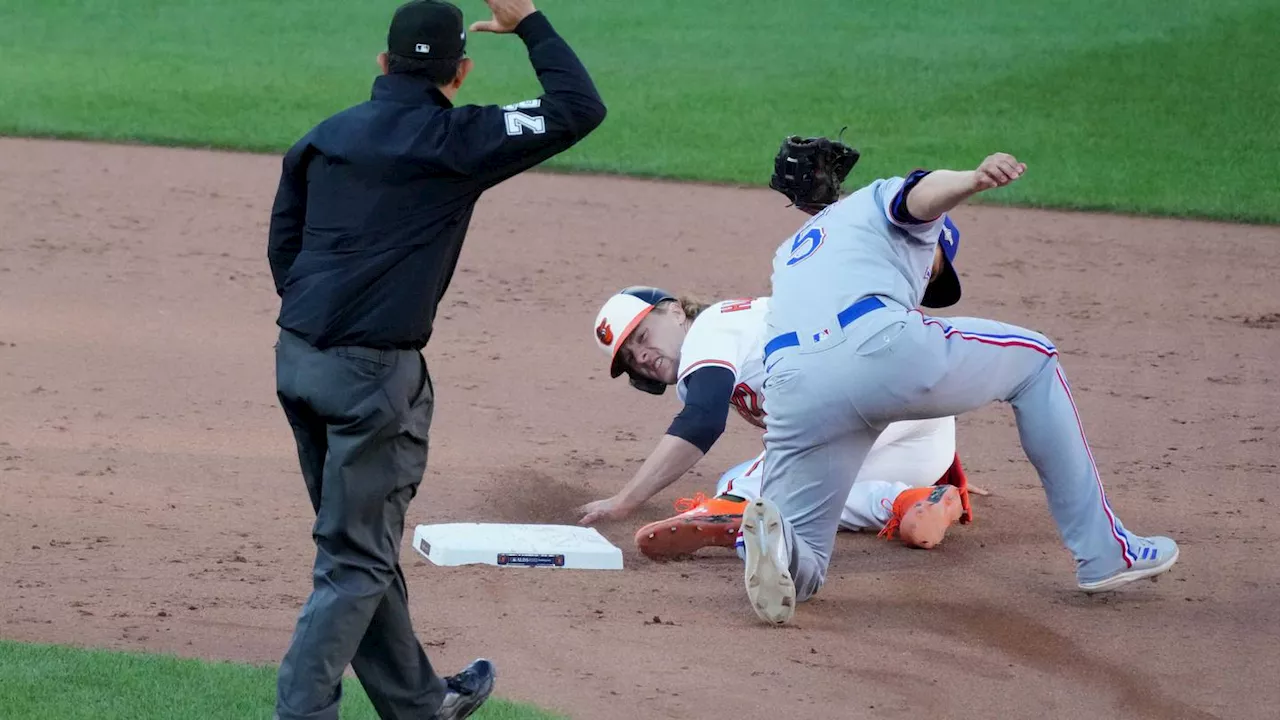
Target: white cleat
(1154,555)
(768,579)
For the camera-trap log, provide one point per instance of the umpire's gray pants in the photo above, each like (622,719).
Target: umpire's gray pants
(360,418)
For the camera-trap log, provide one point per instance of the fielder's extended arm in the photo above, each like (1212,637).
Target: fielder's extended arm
(940,191)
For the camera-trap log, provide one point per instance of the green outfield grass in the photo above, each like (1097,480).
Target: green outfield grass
(1161,106)
(46,681)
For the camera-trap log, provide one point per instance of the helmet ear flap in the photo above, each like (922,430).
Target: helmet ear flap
(653,387)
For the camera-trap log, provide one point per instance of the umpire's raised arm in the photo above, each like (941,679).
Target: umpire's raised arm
(491,142)
(366,230)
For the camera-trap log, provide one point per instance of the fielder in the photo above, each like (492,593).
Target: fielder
(714,356)
(848,354)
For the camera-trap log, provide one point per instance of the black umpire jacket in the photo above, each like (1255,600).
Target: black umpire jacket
(374,202)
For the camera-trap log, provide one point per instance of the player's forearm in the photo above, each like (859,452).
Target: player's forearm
(669,461)
(939,192)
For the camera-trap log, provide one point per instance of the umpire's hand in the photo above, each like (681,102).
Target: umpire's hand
(507,14)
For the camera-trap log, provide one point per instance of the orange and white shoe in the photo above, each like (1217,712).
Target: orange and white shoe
(702,522)
(921,516)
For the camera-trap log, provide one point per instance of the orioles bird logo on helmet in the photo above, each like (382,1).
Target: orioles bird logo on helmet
(604,333)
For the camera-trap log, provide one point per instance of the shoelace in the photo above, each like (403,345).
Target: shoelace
(895,519)
(458,684)
(687,504)
(464,683)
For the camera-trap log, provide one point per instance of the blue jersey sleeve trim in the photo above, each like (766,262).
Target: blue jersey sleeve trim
(898,212)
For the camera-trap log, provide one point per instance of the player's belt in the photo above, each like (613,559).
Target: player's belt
(846,316)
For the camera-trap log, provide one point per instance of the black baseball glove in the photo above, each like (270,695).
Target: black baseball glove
(809,170)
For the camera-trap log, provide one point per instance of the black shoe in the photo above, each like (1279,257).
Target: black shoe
(467,691)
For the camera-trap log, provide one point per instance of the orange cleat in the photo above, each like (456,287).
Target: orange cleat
(702,522)
(921,516)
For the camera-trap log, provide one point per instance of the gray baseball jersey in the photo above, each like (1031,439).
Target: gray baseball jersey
(850,250)
(849,353)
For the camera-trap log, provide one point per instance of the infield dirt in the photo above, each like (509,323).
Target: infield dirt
(151,498)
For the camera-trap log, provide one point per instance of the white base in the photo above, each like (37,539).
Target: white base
(507,545)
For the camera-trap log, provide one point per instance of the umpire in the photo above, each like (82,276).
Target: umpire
(369,219)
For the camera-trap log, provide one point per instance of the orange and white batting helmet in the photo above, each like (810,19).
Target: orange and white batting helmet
(618,319)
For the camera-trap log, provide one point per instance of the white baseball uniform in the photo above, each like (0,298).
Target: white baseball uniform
(911,453)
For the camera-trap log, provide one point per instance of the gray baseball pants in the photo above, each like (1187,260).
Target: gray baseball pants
(360,418)
(828,400)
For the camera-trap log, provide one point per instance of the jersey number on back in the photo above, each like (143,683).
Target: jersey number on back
(806,244)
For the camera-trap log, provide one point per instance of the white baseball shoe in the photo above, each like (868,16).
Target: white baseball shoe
(1154,555)
(767,575)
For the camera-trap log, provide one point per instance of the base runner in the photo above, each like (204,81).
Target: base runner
(912,484)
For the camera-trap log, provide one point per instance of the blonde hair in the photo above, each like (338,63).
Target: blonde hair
(690,304)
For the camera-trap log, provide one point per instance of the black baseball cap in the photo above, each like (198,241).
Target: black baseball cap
(427,30)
